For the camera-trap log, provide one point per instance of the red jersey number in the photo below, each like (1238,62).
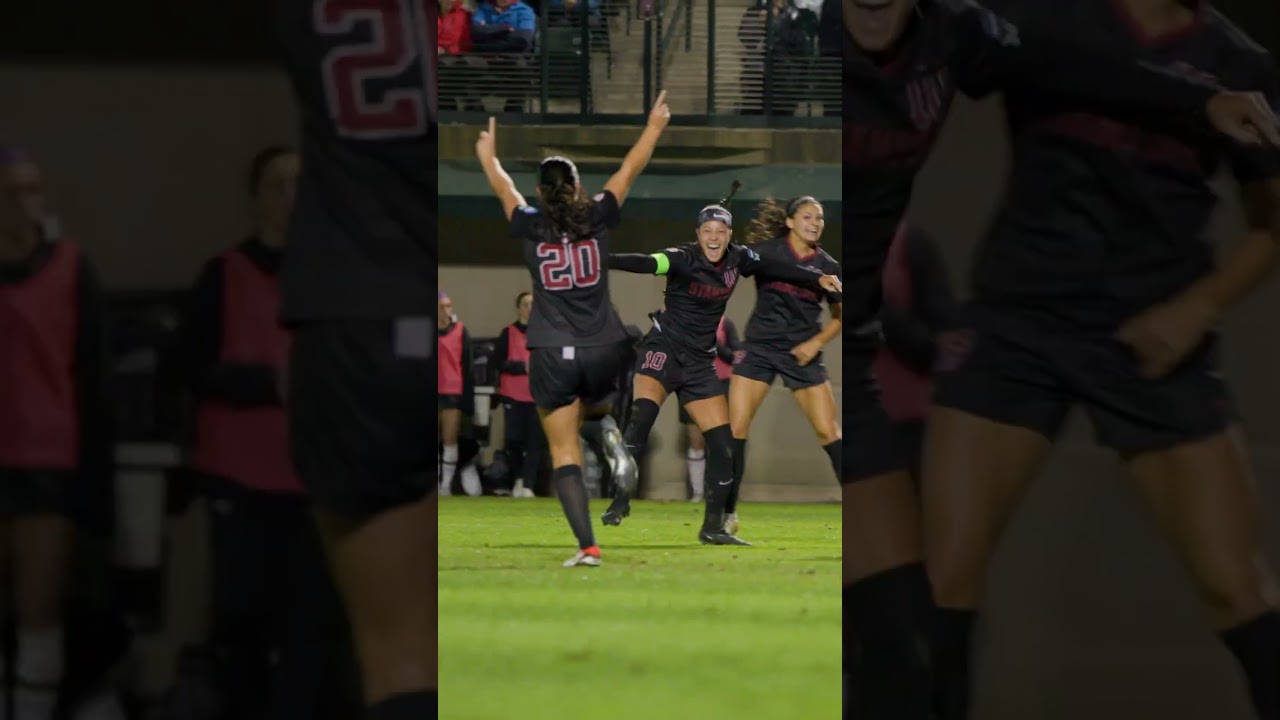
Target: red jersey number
(573,265)
(359,77)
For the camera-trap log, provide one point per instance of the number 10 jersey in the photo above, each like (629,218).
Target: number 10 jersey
(362,239)
(571,303)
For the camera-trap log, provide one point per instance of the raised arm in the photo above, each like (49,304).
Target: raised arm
(499,181)
(636,160)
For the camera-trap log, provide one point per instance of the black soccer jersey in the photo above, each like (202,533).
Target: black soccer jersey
(362,240)
(571,304)
(698,291)
(1107,213)
(895,110)
(787,314)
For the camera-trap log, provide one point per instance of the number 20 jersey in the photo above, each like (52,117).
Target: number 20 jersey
(362,239)
(571,303)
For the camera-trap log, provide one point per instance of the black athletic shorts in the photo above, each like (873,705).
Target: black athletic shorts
(558,376)
(449,402)
(690,376)
(39,492)
(684,414)
(872,445)
(361,427)
(762,362)
(1029,374)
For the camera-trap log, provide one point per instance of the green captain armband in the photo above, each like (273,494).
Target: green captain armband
(664,263)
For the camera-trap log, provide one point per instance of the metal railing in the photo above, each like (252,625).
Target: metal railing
(722,62)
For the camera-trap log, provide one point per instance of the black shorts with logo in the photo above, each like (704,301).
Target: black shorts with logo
(1018,371)
(758,361)
(690,376)
(361,426)
(558,376)
(872,445)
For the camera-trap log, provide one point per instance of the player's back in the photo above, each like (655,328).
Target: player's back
(362,237)
(571,303)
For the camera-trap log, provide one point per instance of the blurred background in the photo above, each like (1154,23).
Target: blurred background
(755,95)
(1091,616)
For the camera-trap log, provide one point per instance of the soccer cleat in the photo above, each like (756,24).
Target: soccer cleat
(731,523)
(520,490)
(719,537)
(626,474)
(618,509)
(587,557)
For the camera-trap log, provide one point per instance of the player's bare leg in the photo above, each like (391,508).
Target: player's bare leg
(647,397)
(562,426)
(975,472)
(450,427)
(711,415)
(41,554)
(1204,500)
(385,570)
(745,398)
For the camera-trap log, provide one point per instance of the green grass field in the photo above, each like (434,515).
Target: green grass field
(667,629)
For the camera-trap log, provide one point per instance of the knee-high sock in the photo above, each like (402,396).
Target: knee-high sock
(573,498)
(719,475)
(1256,645)
(739,468)
(889,612)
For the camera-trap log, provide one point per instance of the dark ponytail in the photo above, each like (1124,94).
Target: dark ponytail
(566,208)
(770,222)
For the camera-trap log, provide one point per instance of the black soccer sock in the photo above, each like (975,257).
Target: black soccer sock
(739,468)
(644,413)
(719,475)
(890,613)
(952,643)
(835,452)
(406,706)
(1256,645)
(573,498)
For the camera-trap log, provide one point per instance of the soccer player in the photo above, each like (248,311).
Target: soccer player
(56,452)
(276,617)
(677,355)
(903,62)
(575,336)
(455,386)
(357,283)
(727,346)
(524,441)
(1098,285)
(785,334)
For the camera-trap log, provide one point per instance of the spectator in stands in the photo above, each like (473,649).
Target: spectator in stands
(56,423)
(524,440)
(565,12)
(454,29)
(502,36)
(276,631)
(785,36)
(830,39)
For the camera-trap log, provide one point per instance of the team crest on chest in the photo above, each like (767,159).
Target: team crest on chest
(927,99)
(730,278)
